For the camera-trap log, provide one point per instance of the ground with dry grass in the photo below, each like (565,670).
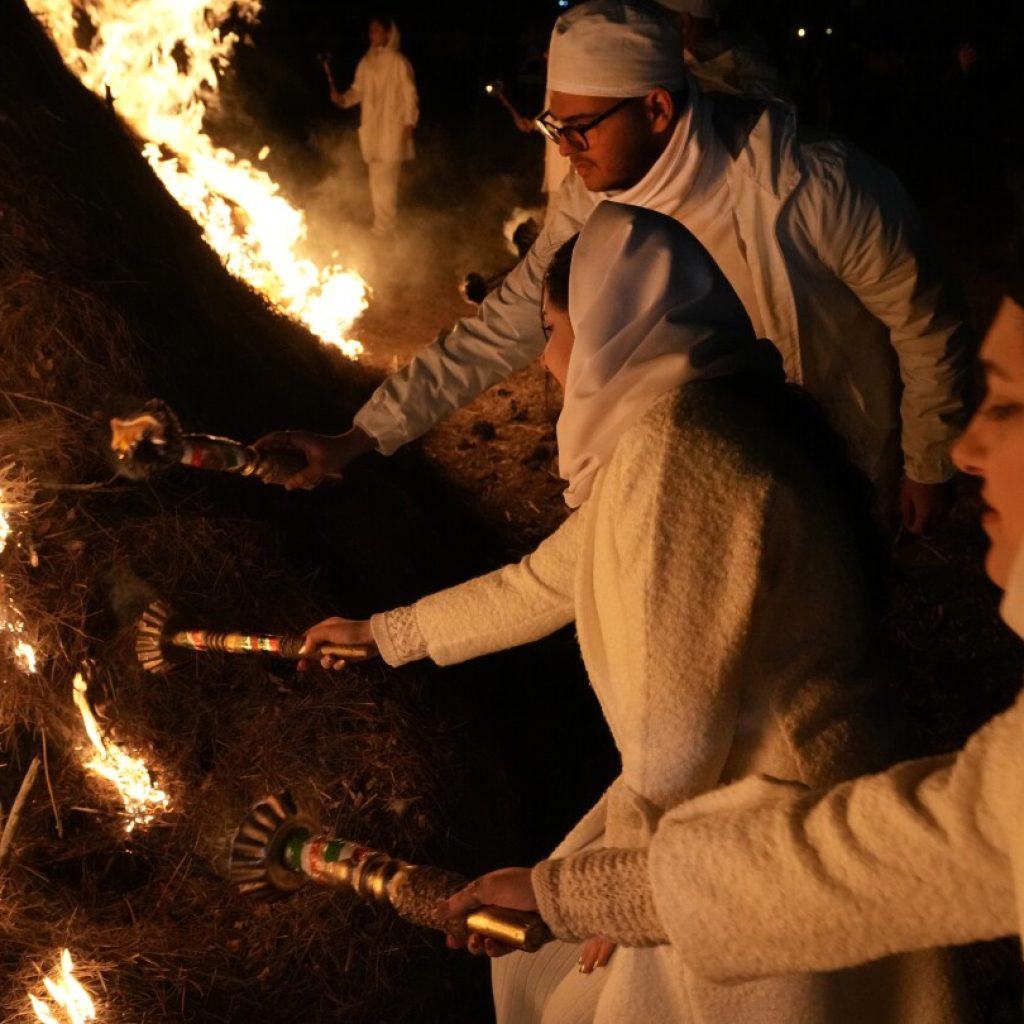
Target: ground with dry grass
(108,296)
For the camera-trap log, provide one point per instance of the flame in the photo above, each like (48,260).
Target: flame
(67,993)
(5,525)
(159,60)
(16,491)
(25,656)
(142,800)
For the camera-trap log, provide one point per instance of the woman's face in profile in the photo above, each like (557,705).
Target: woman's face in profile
(558,330)
(992,446)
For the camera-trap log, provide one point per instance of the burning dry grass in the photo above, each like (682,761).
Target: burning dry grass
(91,314)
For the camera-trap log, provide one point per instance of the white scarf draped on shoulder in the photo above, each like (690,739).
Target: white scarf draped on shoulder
(650,311)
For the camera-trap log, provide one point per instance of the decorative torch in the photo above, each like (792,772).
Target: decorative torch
(278,849)
(151,441)
(153,635)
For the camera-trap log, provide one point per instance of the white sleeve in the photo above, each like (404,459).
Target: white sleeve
(760,879)
(479,351)
(510,606)
(353,95)
(870,237)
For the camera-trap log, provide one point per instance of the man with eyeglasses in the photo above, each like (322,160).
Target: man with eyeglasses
(821,244)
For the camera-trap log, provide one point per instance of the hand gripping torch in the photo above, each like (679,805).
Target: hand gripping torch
(150,440)
(278,849)
(154,634)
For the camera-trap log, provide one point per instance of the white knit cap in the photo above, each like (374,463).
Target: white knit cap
(611,48)
(698,8)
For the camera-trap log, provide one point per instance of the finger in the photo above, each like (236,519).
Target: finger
(339,664)
(475,945)
(494,949)
(461,903)
(323,632)
(604,953)
(305,480)
(275,439)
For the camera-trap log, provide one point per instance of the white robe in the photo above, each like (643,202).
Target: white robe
(714,652)
(385,89)
(842,279)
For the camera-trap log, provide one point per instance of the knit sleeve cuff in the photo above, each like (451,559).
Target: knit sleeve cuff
(397,636)
(603,892)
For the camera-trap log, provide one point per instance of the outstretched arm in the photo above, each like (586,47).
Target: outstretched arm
(765,878)
(511,606)
(479,351)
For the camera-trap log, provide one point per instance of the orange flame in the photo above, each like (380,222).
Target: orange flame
(160,59)
(142,800)
(69,995)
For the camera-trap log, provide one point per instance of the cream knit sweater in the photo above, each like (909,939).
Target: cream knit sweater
(763,877)
(716,595)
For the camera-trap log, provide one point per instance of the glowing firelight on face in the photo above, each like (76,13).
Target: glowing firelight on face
(142,800)
(159,61)
(67,993)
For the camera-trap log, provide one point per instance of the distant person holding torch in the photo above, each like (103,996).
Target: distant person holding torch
(385,88)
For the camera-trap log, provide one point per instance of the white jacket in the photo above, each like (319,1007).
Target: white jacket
(386,89)
(845,286)
(763,877)
(713,652)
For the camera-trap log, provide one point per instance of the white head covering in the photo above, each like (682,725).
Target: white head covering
(611,48)
(394,43)
(650,310)
(698,8)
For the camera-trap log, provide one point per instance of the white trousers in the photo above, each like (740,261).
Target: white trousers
(545,987)
(384,194)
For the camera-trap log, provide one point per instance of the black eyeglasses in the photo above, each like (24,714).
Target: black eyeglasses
(576,134)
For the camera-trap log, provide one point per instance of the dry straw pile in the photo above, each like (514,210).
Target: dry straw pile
(107,295)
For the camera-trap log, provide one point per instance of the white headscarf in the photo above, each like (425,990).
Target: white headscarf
(611,48)
(650,311)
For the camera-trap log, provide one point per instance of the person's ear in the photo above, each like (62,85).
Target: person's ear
(660,108)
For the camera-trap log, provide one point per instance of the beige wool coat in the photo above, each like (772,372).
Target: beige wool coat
(763,877)
(714,587)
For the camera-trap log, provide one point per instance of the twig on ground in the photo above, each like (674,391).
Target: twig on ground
(11,825)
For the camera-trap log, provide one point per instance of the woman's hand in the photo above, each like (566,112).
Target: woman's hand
(326,456)
(595,953)
(509,887)
(336,631)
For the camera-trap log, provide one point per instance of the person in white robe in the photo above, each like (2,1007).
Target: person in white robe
(821,244)
(703,486)
(384,88)
(762,877)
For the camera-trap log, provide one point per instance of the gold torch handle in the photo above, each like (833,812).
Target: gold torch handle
(521,929)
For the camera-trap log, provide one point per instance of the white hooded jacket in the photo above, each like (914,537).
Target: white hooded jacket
(843,281)
(386,89)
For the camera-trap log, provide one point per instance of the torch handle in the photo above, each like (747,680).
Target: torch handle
(287,645)
(415,891)
(326,64)
(521,929)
